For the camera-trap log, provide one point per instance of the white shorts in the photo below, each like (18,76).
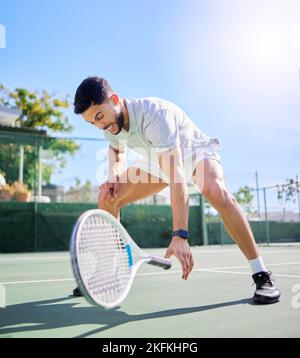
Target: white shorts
(190,162)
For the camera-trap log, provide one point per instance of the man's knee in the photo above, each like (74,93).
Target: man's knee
(218,195)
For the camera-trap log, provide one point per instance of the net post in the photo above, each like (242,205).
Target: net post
(203,227)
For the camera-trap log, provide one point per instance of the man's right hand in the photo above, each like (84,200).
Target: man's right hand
(110,188)
(180,248)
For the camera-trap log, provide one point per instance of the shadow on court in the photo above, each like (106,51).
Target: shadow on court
(51,314)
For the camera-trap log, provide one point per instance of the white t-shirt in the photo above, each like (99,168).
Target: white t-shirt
(158,125)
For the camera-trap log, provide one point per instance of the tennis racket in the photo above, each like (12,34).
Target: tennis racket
(105,259)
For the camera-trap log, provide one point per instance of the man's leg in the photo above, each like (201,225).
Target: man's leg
(209,178)
(135,184)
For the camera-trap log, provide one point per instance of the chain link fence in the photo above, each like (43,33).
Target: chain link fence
(46,172)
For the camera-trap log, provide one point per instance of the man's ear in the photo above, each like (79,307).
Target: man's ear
(115,98)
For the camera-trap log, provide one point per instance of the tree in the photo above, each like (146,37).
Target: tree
(288,191)
(79,192)
(245,197)
(39,111)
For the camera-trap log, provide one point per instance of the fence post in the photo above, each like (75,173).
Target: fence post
(40,173)
(221,230)
(21,165)
(257,194)
(298,194)
(266,218)
(202,221)
(35,229)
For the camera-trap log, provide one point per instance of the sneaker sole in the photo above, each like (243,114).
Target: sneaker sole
(77,294)
(265,300)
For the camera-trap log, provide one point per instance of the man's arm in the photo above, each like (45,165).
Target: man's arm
(171,163)
(116,160)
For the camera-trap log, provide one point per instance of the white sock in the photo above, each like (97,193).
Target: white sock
(257,265)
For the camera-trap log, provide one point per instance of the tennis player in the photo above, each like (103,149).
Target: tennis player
(174,151)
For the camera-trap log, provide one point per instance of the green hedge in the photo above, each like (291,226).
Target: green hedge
(28,227)
(279,232)
(48,227)
(16,227)
(151,225)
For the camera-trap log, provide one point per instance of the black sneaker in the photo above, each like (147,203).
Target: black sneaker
(266,291)
(77,293)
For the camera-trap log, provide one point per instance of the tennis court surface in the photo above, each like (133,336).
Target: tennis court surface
(214,302)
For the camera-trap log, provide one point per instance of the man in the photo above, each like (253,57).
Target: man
(175,151)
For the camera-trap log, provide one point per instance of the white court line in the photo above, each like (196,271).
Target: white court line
(217,268)
(247,273)
(37,281)
(286,275)
(244,266)
(40,258)
(144,274)
(67,257)
(233,272)
(211,269)
(73,279)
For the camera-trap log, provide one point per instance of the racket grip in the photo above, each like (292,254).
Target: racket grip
(160,261)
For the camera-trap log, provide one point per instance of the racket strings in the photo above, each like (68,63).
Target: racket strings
(104,261)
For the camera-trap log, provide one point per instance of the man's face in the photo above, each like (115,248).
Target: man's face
(106,116)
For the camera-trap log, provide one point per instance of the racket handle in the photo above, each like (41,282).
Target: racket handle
(160,261)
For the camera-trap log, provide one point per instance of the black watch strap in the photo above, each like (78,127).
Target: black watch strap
(184,234)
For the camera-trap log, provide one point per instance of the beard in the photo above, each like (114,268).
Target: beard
(120,122)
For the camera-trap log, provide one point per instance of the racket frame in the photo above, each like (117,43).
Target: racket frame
(130,246)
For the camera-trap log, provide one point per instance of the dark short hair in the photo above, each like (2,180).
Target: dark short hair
(92,90)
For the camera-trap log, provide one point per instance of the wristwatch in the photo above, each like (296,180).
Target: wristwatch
(184,234)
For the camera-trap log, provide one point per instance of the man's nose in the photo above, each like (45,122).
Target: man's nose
(99,125)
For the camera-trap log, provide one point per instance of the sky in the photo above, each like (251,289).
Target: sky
(232,65)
